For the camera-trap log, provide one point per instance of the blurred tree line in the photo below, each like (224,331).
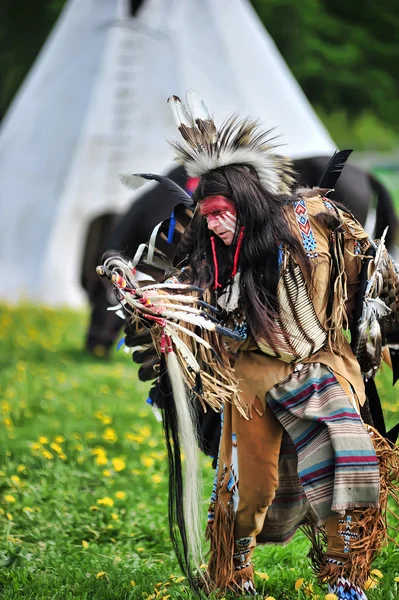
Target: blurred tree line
(344,54)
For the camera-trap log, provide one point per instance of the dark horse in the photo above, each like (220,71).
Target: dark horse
(355,188)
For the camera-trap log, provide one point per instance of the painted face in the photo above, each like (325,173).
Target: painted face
(221,216)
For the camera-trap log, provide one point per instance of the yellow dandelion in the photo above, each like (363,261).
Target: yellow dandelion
(179,579)
(166,597)
(43,439)
(156,478)
(263,576)
(158,585)
(85,544)
(299,583)
(63,456)
(140,549)
(101,459)
(90,435)
(101,575)
(98,450)
(114,516)
(132,583)
(15,479)
(147,462)
(152,443)
(202,566)
(9,516)
(21,468)
(59,439)
(36,446)
(107,420)
(105,501)
(94,508)
(56,447)
(270,598)
(78,447)
(9,498)
(120,495)
(331,597)
(28,509)
(107,473)
(370,584)
(136,472)
(109,435)
(118,464)
(145,431)
(377,573)
(47,454)
(396,579)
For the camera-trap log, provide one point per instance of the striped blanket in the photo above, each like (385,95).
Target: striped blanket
(327,460)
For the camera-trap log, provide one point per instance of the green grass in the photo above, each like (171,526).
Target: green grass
(83,481)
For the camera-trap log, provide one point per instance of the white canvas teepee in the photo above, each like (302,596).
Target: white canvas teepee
(94,105)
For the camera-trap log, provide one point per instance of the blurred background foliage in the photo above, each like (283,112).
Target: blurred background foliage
(344,54)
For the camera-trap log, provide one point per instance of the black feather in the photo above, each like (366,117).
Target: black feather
(181,195)
(334,169)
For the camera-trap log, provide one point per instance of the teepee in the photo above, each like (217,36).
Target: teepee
(94,105)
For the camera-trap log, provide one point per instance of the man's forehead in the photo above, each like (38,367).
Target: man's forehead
(216,203)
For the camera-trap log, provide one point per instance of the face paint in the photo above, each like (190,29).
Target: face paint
(220,213)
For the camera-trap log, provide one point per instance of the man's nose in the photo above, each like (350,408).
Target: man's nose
(212,222)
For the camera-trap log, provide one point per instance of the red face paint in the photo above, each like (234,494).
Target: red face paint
(214,207)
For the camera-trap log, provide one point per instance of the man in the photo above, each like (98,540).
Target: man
(284,271)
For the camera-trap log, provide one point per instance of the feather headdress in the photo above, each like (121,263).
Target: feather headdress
(238,141)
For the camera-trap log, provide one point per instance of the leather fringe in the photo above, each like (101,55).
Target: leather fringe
(371,523)
(221,536)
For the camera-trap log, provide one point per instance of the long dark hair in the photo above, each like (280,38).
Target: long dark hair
(262,215)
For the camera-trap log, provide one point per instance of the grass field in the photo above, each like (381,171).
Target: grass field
(84,484)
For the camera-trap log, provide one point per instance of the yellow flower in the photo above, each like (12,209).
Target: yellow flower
(101,459)
(370,584)
(147,461)
(179,579)
(63,456)
(9,498)
(43,439)
(94,508)
(105,501)
(109,435)
(263,576)
(107,420)
(47,454)
(15,479)
(299,583)
(152,443)
(331,597)
(21,468)
(97,451)
(56,447)
(136,472)
(27,509)
(36,446)
(132,583)
(120,495)
(59,439)
(90,435)
(107,473)
(377,573)
(101,574)
(85,544)
(118,464)
(396,579)
(270,598)
(9,516)
(140,549)
(156,478)
(114,516)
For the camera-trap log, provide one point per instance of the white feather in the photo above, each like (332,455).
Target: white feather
(197,320)
(132,182)
(184,351)
(196,106)
(179,112)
